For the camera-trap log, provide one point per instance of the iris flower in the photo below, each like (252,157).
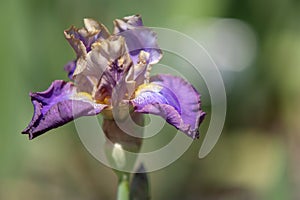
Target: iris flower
(111,71)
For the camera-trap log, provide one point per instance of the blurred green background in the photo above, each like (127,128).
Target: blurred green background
(257,156)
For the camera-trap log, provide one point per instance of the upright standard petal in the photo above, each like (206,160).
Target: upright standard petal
(172,98)
(108,62)
(86,36)
(127,23)
(56,106)
(136,75)
(138,38)
(82,39)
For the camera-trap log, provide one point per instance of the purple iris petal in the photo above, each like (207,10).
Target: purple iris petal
(174,99)
(127,23)
(142,39)
(58,105)
(138,38)
(70,68)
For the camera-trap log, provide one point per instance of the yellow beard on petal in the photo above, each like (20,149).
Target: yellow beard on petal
(147,86)
(83,95)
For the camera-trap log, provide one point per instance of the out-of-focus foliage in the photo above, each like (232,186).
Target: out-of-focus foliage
(257,156)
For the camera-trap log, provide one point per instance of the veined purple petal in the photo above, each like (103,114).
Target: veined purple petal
(174,99)
(56,106)
(138,38)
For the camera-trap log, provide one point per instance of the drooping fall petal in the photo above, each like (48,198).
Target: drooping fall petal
(172,98)
(56,106)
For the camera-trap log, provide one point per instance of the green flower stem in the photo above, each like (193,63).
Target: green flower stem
(123,187)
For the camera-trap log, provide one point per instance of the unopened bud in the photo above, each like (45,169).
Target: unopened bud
(118,155)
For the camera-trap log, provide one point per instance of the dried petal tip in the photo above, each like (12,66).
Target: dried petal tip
(93,27)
